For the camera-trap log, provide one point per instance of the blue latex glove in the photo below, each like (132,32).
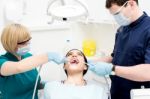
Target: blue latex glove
(100,68)
(55,57)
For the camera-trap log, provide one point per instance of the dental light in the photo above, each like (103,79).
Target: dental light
(66,11)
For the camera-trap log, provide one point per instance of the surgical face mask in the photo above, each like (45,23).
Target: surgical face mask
(23,50)
(120,18)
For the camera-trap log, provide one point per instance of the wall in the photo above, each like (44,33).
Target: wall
(144,5)
(1,13)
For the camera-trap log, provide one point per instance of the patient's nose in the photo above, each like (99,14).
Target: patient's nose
(74,55)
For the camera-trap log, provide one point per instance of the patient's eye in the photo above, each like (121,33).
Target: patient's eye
(74,54)
(69,54)
(80,54)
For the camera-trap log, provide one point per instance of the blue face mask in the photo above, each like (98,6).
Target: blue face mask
(120,18)
(23,50)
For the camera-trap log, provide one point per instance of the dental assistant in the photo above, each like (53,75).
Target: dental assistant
(17,66)
(131,54)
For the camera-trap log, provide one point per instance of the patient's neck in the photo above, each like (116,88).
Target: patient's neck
(75,79)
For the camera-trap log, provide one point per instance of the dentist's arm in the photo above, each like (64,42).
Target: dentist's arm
(100,68)
(137,73)
(107,59)
(10,67)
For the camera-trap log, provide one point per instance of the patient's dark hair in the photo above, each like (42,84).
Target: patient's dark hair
(85,60)
(117,2)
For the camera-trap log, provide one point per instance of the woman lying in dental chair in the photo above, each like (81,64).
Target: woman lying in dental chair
(75,86)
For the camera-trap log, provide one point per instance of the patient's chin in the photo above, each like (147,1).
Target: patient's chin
(73,65)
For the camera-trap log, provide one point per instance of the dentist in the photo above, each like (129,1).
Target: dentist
(17,66)
(130,58)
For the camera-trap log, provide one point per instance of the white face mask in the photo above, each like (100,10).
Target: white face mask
(23,50)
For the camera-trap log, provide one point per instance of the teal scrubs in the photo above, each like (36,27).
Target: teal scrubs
(17,86)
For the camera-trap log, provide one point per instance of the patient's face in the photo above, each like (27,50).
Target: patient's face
(75,62)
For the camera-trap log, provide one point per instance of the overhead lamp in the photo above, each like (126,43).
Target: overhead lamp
(66,12)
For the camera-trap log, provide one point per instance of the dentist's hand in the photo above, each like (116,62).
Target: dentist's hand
(100,68)
(55,57)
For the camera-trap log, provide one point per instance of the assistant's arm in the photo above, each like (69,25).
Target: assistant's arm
(10,67)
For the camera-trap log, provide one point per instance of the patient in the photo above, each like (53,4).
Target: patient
(75,86)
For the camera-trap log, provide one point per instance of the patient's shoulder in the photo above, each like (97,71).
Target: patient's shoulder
(92,82)
(96,84)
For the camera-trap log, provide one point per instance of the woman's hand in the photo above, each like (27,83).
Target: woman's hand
(55,57)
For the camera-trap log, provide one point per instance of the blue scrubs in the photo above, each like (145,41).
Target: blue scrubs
(18,86)
(132,47)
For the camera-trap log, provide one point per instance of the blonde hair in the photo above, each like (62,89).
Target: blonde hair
(13,34)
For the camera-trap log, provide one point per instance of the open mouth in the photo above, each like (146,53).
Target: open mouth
(74,61)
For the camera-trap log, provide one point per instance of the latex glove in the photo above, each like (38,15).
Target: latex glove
(55,57)
(100,68)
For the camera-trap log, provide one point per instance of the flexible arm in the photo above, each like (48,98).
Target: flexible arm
(137,73)
(49,4)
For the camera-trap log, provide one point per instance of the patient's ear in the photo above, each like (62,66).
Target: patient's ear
(85,67)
